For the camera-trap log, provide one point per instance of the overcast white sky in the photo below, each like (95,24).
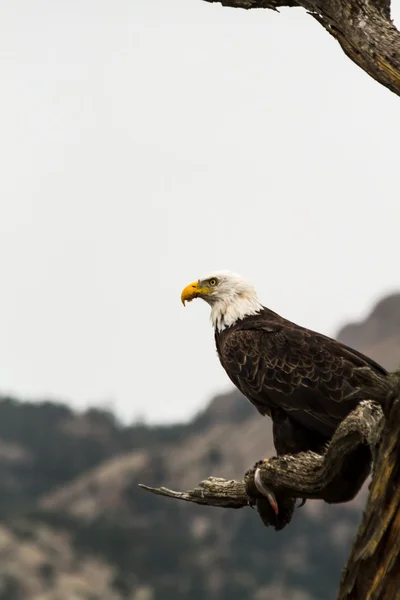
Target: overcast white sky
(144,144)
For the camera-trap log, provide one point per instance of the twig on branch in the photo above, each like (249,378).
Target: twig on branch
(214,491)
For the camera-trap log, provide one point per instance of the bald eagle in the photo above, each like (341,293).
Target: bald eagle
(305,381)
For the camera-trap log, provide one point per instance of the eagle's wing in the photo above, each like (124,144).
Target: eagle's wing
(315,380)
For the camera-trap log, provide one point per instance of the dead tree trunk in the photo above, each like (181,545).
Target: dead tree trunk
(363,29)
(373,568)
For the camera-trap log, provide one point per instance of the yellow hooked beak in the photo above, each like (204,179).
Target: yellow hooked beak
(192,291)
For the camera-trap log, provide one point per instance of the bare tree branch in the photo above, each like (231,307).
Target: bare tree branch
(336,476)
(224,493)
(214,491)
(363,28)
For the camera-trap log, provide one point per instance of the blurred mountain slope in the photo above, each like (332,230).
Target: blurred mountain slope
(378,335)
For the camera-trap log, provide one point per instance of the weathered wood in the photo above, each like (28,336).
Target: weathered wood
(363,29)
(333,477)
(214,491)
(373,568)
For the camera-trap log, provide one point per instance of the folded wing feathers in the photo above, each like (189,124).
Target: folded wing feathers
(310,373)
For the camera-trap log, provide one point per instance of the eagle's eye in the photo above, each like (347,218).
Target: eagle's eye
(213,282)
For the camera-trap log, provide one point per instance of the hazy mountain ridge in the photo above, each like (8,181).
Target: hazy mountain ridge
(76,526)
(379,334)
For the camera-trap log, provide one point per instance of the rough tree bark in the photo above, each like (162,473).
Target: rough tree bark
(373,568)
(363,28)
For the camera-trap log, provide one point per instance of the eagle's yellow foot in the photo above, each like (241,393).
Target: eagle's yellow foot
(265,491)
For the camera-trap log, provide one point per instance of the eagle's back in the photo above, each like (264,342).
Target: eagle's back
(280,366)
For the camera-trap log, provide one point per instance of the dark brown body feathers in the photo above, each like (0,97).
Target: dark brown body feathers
(307,382)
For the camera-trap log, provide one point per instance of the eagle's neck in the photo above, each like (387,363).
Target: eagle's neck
(225,312)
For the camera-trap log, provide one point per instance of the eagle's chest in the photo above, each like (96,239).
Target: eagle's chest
(219,348)
(220,340)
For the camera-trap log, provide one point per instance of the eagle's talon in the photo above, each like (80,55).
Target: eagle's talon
(265,491)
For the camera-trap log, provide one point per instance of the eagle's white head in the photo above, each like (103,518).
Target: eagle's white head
(230,296)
